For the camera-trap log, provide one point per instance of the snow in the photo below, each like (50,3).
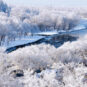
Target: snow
(78,32)
(47,33)
(50,33)
(23,40)
(60,67)
(81,25)
(43,65)
(80,29)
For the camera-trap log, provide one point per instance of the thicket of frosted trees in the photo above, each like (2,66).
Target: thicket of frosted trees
(65,66)
(20,21)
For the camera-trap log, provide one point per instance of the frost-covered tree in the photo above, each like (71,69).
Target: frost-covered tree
(3,6)
(19,21)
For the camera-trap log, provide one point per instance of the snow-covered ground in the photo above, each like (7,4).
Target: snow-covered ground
(45,66)
(47,33)
(79,31)
(23,40)
(42,65)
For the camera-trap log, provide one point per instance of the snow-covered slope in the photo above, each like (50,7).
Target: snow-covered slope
(24,40)
(79,32)
(45,66)
(47,33)
(42,65)
(80,29)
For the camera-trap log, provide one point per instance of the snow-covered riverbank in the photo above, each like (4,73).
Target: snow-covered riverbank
(43,47)
(44,65)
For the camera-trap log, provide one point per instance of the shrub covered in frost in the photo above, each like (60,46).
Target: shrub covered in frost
(20,21)
(59,67)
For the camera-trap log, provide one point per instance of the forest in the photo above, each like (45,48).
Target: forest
(43,64)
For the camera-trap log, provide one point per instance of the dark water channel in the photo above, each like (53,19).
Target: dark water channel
(55,40)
